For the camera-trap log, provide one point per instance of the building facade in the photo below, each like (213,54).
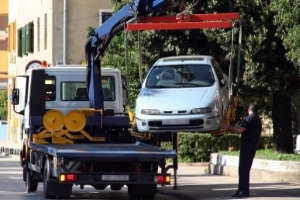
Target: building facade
(3,42)
(54,31)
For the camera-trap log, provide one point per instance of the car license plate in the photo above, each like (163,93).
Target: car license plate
(115,177)
(175,121)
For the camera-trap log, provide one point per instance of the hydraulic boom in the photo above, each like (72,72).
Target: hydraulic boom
(101,37)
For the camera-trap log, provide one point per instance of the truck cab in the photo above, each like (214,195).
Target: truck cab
(63,88)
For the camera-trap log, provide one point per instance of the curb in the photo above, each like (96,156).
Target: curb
(262,170)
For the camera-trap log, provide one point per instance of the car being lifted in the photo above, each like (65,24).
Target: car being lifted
(182,93)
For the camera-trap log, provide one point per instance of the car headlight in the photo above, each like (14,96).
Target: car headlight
(150,112)
(201,110)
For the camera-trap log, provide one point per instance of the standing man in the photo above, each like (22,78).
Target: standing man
(251,130)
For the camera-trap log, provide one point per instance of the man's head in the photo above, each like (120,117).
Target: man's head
(253,107)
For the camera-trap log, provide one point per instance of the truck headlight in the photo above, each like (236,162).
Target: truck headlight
(201,110)
(150,112)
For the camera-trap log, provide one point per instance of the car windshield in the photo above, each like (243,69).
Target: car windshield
(175,76)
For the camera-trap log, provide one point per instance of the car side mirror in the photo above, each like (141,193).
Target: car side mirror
(222,83)
(138,85)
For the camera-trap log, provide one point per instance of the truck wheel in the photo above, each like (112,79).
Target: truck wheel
(47,175)
(52,188)
(31,185)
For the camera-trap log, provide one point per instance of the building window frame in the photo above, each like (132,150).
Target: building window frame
(45,31)
(38,21)
(104,14)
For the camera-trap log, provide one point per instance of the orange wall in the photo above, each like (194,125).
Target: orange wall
(3,61)
(3,54)
(4,6)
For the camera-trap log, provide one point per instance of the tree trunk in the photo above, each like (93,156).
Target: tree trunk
(282,124)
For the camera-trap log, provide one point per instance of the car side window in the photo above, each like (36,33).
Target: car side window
(218,71)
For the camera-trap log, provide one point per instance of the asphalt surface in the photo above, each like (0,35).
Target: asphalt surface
(194,183)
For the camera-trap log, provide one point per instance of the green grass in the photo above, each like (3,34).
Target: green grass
(268,154)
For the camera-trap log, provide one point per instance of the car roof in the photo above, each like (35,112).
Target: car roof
(184,59)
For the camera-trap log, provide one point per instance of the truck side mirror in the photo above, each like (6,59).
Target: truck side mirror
(14,96)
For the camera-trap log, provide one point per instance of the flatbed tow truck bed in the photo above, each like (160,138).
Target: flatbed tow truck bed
(136,151)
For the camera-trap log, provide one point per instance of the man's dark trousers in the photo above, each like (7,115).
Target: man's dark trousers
(247,153)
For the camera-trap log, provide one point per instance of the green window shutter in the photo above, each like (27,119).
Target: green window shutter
(24,40)
(20,42)
(31,38)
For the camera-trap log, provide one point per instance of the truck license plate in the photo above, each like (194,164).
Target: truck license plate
(115,177)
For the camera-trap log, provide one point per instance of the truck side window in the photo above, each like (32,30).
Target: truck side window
(73,91)
(108,86)
(76,91)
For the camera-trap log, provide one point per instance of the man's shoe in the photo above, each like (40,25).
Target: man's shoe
(241,194)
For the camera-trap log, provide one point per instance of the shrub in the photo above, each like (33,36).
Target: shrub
(197,147)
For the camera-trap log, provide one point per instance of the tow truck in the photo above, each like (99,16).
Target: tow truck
(67,142)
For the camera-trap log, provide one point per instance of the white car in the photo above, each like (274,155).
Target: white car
(182,93)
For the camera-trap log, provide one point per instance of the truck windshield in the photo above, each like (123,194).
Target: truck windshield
(76,91)
(174,76)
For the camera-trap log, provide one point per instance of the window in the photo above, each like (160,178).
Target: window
(108,85)
(104,14)
(23,40)
(218,70)
(73,91)
(45,31)
(3,36)
(50,88)
(76,91)
(38,34)
(30,38)
(20,42)
(12,36)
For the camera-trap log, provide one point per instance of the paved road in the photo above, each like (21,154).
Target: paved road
(192,184)
(12,186)
(195,184)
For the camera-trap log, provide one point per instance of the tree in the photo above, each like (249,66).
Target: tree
(261,76)
(3,104)
(266,74)
(287,20)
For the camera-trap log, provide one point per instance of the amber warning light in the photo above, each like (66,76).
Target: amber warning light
(67,178)
(163,179)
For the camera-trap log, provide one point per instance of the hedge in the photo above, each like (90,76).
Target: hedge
(197,147)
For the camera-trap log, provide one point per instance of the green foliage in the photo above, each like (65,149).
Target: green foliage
(260,76)
(197,147)
(268,154)
(115,57)
(3,104)
(269,52)
(287,20)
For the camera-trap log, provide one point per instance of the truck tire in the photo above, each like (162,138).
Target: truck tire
(52,188)
(46,182)
(31,185)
